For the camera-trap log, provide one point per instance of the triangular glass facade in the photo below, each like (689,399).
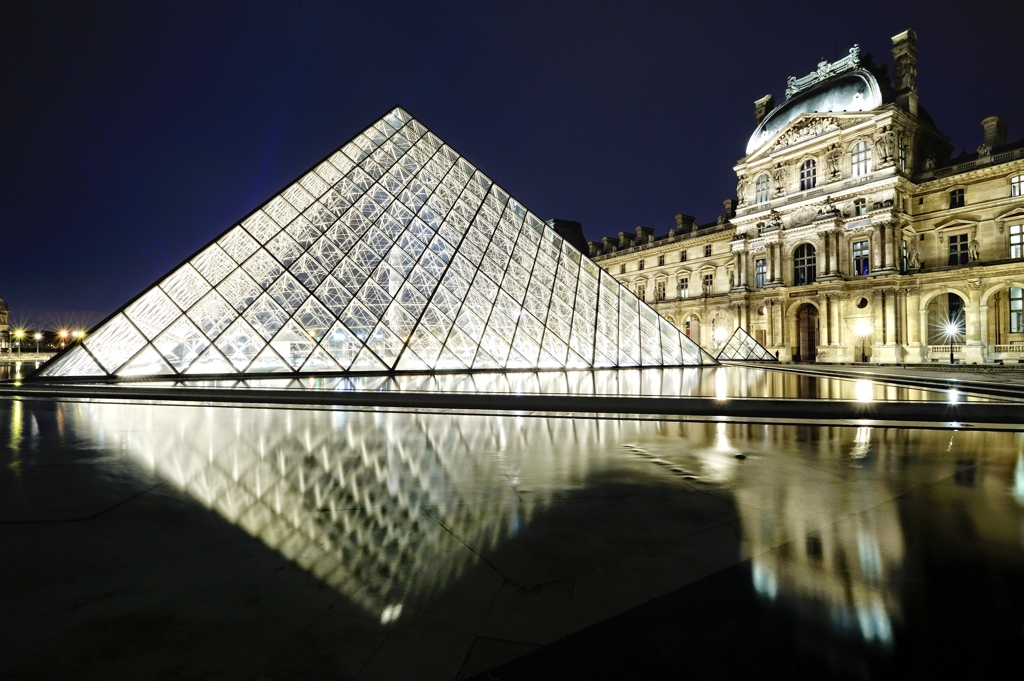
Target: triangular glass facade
(742,347)
(393,254)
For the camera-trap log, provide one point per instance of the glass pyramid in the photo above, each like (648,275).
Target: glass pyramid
(393,254)
(741,346)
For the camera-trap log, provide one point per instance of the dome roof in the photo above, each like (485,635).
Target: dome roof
(856,90)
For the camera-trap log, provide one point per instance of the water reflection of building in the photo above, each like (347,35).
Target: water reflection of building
(376,505)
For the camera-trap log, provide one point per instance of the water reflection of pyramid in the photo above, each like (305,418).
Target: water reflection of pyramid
(394,253)
(742,346)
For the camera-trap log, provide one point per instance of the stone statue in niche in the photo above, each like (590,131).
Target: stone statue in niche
(984,151)
(914,262)
(779,175)
(741,191)
(832,159)
(885,145)
(929,164)
(974,249)
(732,279)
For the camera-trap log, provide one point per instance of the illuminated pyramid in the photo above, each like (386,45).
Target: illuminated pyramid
(742,347)
(393,254)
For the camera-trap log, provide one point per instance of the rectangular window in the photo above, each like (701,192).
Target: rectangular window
(956,198)
(759,336)
(622,268)
(659,290)
(760,272)
(1017,186)
(958,253)
(641,265)
(1017,241)
(707,251)
(682,258)
(709,283)
(641,291)
(661,260)
(861,258)
(860,207)
(1016,310)
(683,287)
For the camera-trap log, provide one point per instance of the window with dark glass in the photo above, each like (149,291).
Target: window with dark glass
(808,174)
(709,283)
(661,260)
(958,253)
(682,257)
(1016,310)
(707,251)
(861,257)
(761,190)
(622,268)
(641,291)
(760,272)
(804,265)
(1017,186)
(641,265)
(956,198)
(901,149)
(659,290)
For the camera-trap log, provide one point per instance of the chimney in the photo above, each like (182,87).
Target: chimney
(904,69)
(626,239)
(684,224)
(995,131)
(762,107)
(644,235)
(611,244)
(730,208)
(571,231)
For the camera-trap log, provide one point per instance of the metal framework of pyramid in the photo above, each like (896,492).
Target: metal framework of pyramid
(393,254)
(741,346)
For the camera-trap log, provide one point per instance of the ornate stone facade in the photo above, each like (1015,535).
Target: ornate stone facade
(855,235)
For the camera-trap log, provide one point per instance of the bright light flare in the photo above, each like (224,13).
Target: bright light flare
(862,328)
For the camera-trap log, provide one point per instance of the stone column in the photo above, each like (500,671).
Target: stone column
(876,248)
(770,254)
(877,304)
(837,304)
(826,237)
(744,260)
(974,352)
(923,317)
(835,254)
(890,316)
(913,340)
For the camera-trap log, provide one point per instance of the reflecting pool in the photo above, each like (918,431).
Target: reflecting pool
(416,533)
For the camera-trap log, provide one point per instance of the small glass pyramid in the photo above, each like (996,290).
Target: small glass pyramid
(393,254)
(742,347)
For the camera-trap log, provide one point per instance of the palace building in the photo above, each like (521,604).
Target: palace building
(856,234)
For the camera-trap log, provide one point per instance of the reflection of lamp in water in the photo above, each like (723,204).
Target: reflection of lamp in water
(863,330)
(864,391)
(721,384)
(720,335)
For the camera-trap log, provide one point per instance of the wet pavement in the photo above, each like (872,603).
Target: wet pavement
(176,541)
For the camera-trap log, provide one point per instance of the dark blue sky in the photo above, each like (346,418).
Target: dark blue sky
(136,132)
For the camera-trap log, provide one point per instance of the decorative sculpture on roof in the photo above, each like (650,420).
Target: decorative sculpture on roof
(824,70)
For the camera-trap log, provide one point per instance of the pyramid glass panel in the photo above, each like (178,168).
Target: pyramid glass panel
(393,254)
(741,346)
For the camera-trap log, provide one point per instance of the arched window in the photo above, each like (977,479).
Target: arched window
(804,265)
(860,158)
(761,188)
(808,174)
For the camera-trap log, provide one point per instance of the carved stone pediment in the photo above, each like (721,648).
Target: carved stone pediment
(808,126)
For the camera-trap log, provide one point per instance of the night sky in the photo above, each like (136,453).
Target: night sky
(134,133)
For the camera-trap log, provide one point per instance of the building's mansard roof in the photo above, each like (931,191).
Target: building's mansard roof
(393,254)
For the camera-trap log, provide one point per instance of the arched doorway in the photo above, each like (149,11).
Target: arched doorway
(806,333)
(946,319)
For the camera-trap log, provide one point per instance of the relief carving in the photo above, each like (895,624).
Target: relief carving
(833,157)
(779,175)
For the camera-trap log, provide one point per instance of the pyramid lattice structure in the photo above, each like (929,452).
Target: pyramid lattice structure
(742,347)
(393,254)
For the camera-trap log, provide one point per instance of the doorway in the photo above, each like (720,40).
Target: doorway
(807,333)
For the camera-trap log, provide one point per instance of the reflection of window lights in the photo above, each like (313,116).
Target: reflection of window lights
(861,257)
(1016,242)
(1016,310)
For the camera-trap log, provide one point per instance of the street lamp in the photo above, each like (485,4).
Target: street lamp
(18,335)
(720,335)
(863,329)
(951,330)
(63,334)
(39,337)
